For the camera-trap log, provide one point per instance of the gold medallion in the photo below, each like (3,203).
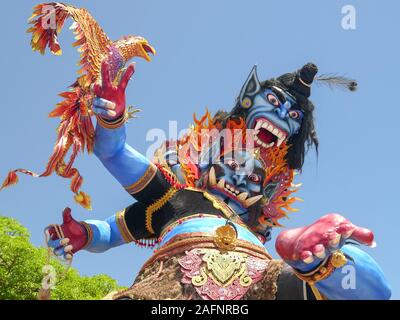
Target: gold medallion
(225,237)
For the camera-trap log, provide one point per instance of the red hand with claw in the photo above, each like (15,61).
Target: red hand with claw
(314,242)
(74,235)
(110,99)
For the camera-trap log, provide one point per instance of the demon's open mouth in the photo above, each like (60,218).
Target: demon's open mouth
(267,134)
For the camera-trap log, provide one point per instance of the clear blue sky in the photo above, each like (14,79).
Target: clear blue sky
(205,51)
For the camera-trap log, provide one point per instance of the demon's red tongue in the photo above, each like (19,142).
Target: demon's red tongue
(266,136)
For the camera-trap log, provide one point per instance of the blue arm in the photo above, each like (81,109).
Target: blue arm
(125,163)
(106,235)
(362,279)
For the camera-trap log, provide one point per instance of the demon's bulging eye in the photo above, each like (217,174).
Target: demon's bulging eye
(294,114)
(233,164)
(273,100)
(254,178)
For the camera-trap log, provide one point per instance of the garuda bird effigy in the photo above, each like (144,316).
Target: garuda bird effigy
(75,131)
(208,202)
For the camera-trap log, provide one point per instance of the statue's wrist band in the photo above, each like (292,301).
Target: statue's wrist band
(114,124)
(336,260)
(89,233)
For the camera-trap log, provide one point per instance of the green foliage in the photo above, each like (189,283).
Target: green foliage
(21,270)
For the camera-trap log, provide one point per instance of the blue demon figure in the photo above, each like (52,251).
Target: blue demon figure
(206,250)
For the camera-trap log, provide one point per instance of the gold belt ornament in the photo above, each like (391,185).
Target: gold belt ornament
(222,272)
(223,267)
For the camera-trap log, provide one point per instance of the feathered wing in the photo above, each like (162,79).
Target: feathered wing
(91,38)
(75,132)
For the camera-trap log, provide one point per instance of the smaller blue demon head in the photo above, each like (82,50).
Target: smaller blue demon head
(237,178)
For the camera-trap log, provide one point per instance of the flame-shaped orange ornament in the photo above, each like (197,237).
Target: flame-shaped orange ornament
(75,131)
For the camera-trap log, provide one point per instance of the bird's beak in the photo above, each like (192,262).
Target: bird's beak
(146,49)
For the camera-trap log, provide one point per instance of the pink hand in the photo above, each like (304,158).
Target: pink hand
(115,95)
(319,239)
